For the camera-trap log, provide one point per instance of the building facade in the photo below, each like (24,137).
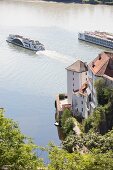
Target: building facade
(76,77)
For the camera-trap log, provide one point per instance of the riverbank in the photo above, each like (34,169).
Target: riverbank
(92,2)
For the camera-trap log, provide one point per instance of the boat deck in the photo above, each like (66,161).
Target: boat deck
(103,35)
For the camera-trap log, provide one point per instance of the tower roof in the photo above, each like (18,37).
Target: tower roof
(78,66)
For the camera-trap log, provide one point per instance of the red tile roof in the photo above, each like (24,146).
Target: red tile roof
(83,88)
(102,64)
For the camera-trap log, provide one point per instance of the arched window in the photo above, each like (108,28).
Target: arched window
(17,41)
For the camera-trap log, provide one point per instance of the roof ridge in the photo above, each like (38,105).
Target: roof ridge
(75,62)
(78,66)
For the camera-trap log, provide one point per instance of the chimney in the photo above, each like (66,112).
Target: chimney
(99,57)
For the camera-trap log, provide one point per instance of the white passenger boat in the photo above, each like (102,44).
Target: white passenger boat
(25,42)
(100,38)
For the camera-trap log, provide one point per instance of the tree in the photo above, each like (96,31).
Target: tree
(100,85)
(72,142)
(68,126)
(17,152)
(66,114)
(103,143)
(62,160)
(88,124)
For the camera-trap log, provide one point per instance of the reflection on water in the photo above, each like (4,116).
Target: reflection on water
(60,133)
(22,50)
(67,16)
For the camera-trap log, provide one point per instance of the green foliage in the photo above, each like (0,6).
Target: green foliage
(61,96)
(67,122)
(89,142)
(104,93)
(102,118)
(100,85)
(72,142)
(103,143)
(68,126)
(16,150)
(99,119)
(88,124)
(62,160)
(66,114)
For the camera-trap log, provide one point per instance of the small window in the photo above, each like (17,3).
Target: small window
(73,78)
(82,109)
(73,84)
(86,79)
(86,73)
(77,109)
(73,90)
(81,102)
(73,73)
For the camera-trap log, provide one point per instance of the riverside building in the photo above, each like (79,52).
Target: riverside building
(81,93)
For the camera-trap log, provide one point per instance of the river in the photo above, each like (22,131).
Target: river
(29,82)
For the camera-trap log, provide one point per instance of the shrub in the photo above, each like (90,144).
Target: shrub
(61,96)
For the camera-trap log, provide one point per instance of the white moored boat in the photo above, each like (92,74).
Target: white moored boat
(25,42)
(56,124)
(100,38)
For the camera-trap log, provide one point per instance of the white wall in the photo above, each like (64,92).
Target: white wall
(79,106)
(84,77)
(109,82)
(92,78)
(74,82)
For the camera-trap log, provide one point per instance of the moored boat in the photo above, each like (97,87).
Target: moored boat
(56,124)
(25,42)
(100,38)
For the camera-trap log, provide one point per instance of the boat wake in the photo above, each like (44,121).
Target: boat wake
(54,55)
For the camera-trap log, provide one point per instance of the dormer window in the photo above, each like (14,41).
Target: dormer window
(93,65)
